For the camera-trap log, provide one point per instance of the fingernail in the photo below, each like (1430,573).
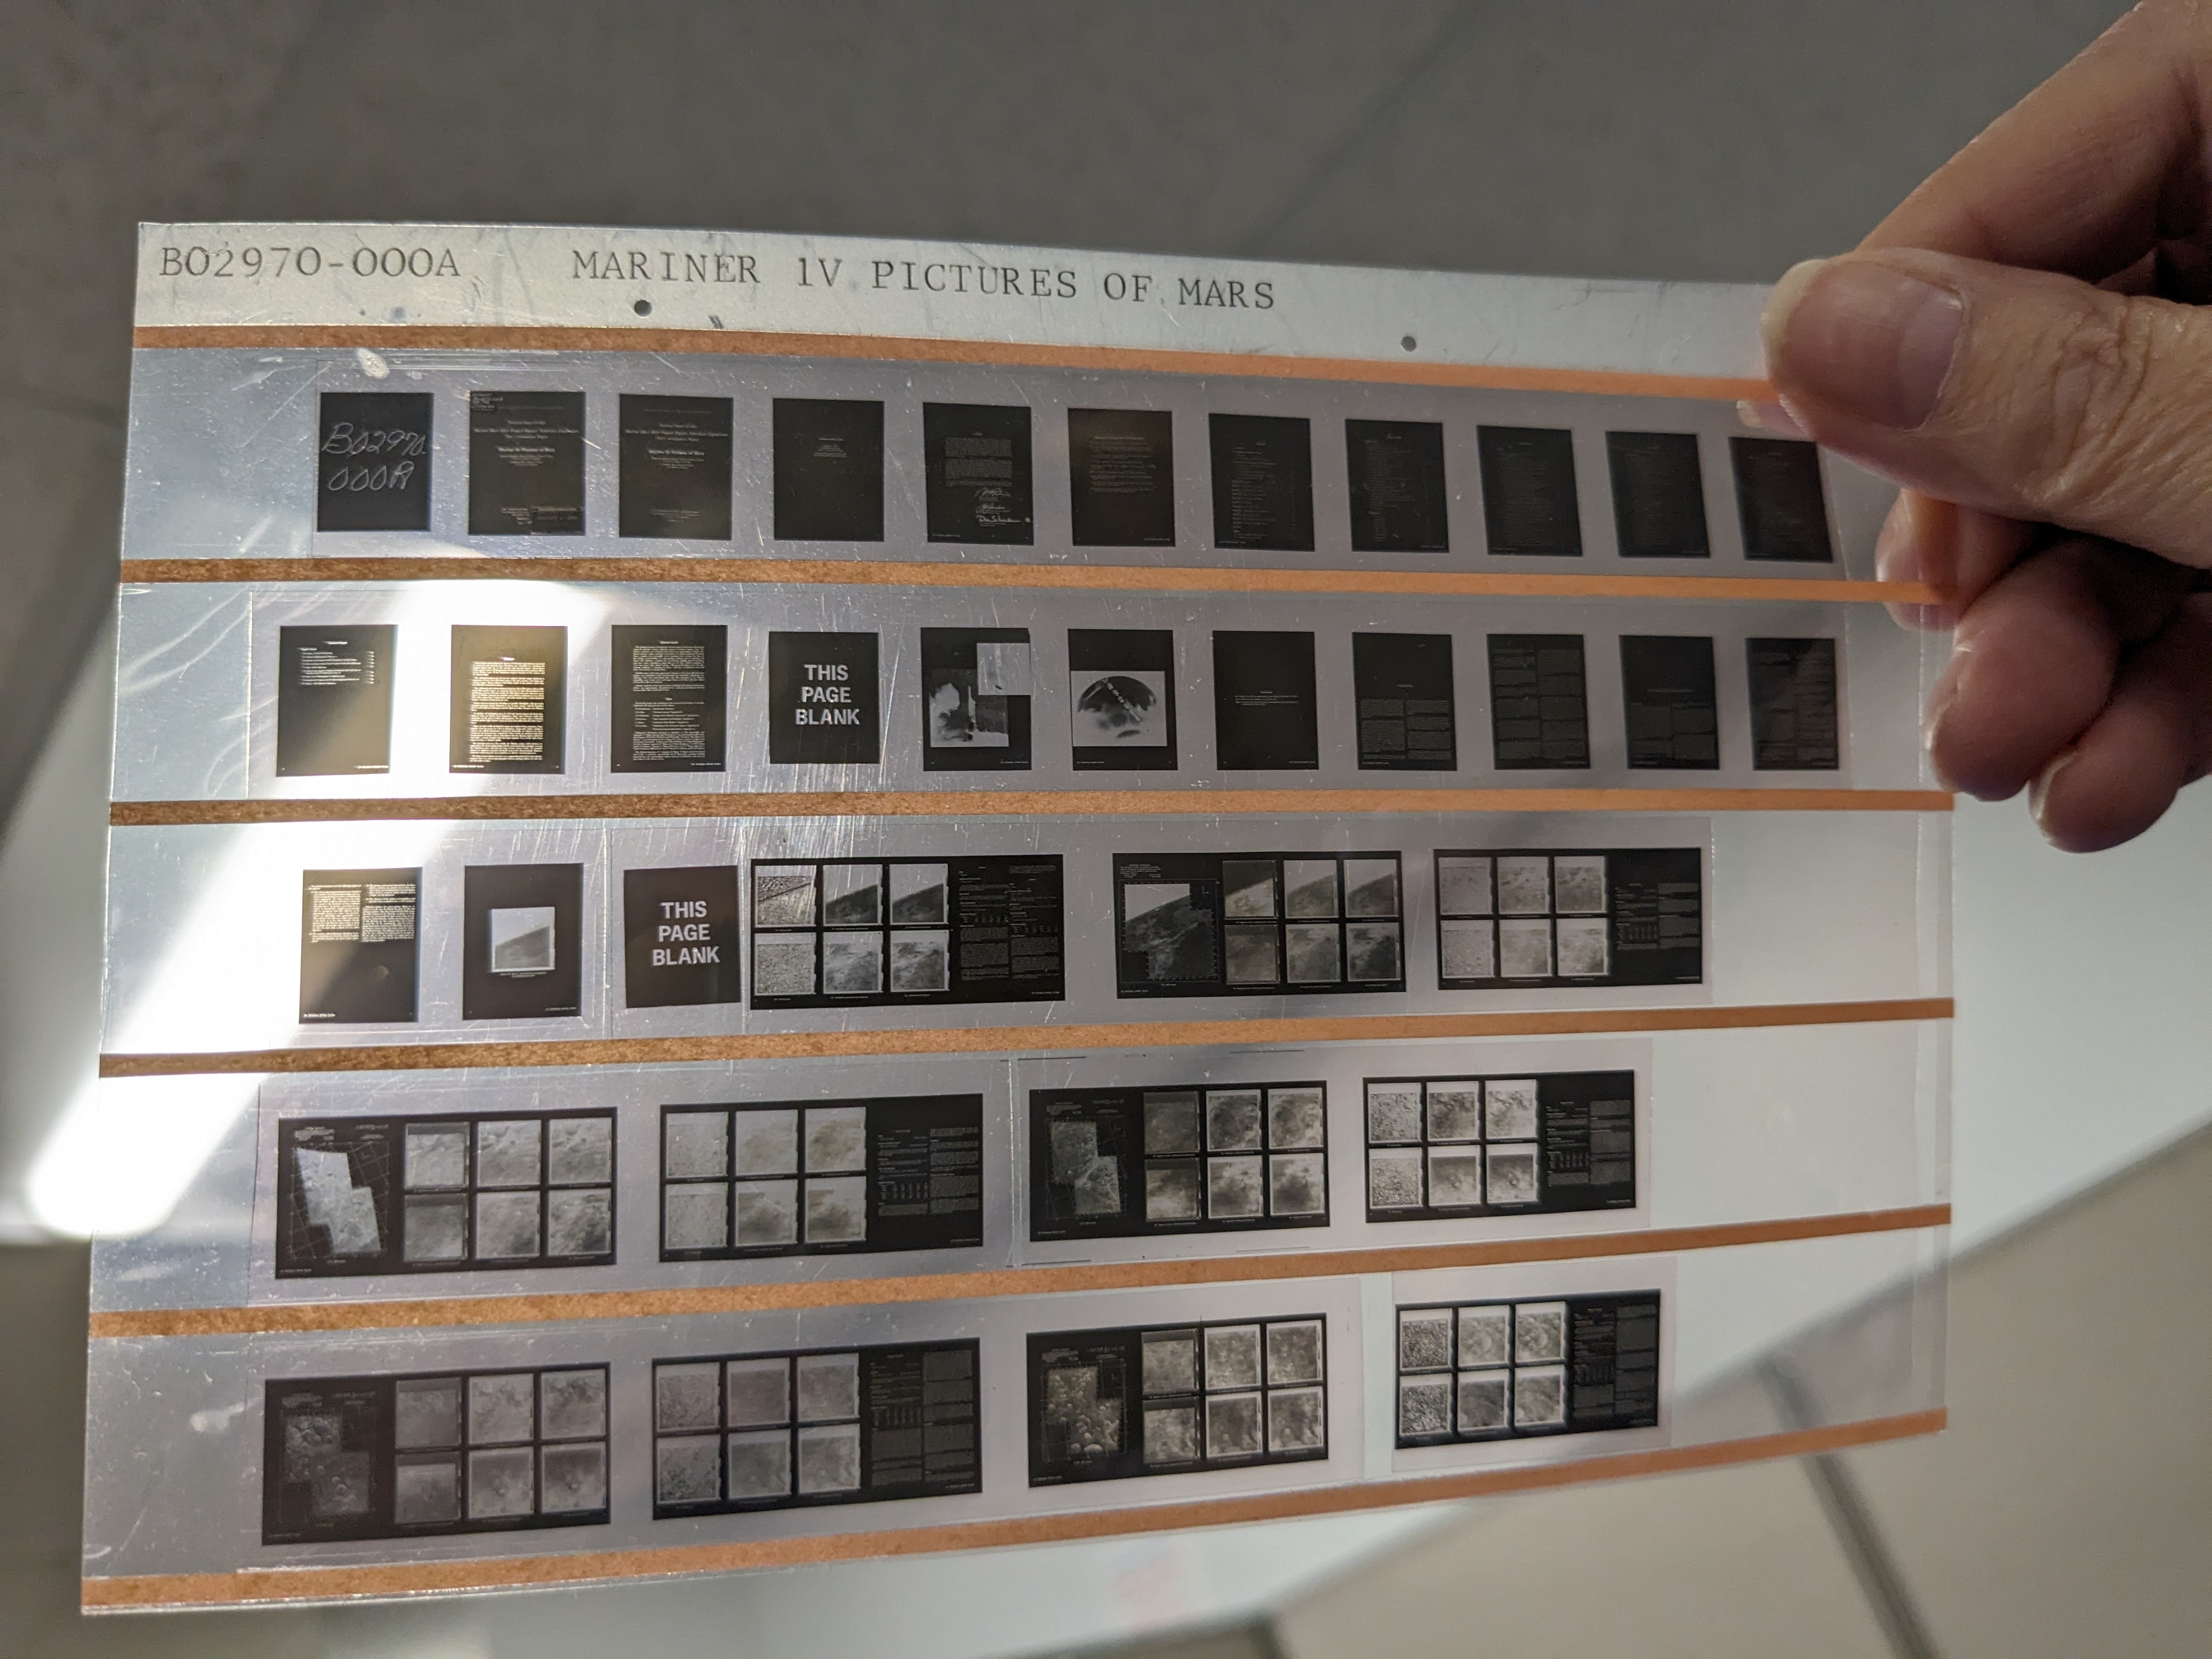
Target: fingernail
(1770,417)
(2039,795)
(1863,339)
(1897,548)
(1897,557)
(1931,721)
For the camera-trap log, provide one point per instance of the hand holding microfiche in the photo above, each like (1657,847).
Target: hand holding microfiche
(2021,346)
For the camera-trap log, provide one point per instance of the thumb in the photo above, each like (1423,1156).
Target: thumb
(2019,392)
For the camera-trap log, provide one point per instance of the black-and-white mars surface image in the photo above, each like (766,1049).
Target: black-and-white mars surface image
(1126,709)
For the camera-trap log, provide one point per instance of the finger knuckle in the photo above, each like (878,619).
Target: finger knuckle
(2100,416)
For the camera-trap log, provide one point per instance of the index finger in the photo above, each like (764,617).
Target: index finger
(2090,170)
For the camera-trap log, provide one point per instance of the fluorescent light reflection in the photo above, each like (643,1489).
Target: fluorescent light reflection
(220,984)
(128,1149)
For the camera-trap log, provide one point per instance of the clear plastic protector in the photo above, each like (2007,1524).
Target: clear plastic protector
(1063,1384)
(251,937)
(259,453)
(1164,1182)
(306,1195)
(364,690)
(763,1174)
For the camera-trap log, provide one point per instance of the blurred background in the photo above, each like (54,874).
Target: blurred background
(2069,1508)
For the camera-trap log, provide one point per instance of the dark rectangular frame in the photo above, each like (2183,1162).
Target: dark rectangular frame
(1575,1366)
(291,1215)
(1127,986)
(1616,931)
(1133,1223)
(384,1454)
(795,1499)
(870,1244)
(1550,1200)
(888,929)
(1129,1464)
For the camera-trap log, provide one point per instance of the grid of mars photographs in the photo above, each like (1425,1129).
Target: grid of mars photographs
(1524,917)
(829,459)
(1132,1162)
(387,1195)
(451,1452)
(1108,1405)
(1244,924)
(790,1177)
(1496,1370)
(835,931)
(1500,1145)
(796,1430)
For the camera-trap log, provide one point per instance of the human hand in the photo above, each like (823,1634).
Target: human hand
(2019,346)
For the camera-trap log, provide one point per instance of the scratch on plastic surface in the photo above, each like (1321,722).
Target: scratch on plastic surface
(262,527)
(271,418)
(133,676)
(215,1418)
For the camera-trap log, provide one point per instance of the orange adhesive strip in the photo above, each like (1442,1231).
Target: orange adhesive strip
(456,1312)
(732,342)
(1022,803)
(1154,579)
(1015,1039)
